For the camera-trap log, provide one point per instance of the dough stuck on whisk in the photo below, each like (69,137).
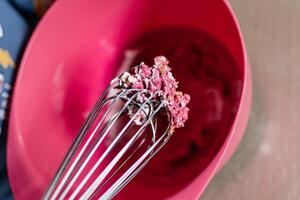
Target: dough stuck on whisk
(158,81)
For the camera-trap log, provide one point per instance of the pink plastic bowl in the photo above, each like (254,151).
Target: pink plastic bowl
(70,59)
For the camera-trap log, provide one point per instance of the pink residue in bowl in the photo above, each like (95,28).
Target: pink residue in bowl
(207,72)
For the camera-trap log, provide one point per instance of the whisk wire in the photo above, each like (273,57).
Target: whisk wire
(104,155)
(90,153)
(70,153)
(99,179)
(136,167)
(69,172)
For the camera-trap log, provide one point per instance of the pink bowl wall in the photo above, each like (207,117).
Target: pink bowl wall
(69,60)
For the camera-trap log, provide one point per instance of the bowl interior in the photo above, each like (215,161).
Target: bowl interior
(79,47)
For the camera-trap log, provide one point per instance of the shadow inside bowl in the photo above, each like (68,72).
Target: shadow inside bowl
(205,70)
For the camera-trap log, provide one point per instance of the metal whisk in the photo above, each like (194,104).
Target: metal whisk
(111,149)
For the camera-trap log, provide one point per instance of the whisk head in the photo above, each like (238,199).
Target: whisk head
(119,137)
(132,120)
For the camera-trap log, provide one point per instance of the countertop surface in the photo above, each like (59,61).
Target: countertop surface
(267,162)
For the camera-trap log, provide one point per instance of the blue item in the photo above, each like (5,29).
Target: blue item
(26,5)
(13,34)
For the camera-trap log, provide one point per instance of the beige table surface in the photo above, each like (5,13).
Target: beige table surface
(267,163)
